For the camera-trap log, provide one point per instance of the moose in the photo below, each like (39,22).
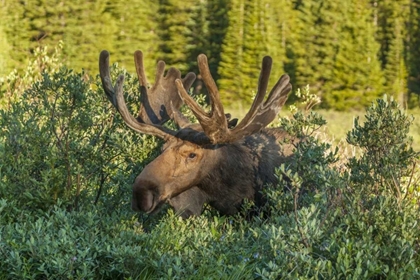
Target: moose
(216,161)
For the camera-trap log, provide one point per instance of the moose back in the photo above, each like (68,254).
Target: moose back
(217,161)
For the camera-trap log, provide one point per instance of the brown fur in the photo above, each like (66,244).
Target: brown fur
(221,175)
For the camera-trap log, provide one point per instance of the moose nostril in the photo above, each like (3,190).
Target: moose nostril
(146,201)
(142,200)
(143,195)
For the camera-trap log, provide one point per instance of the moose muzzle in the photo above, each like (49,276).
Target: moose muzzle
(145,196)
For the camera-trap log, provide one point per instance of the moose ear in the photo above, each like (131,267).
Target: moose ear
(232,123)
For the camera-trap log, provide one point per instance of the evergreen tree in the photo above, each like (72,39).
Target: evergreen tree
(413,53)
(315,43)
(197,34)
(335,52)
(88,27)
(278,17)
(357,76)
(173,16)
(206,31)
(135,30)
(254,48)
(386,15)
(4,49)
(391,17)
(395,71)
(230,83)
(217,18)
(83,26)
(327,44)
(16,29)
(253,32)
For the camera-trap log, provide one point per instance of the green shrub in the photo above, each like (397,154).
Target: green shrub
(69,245)
(63,148)
(324,228)
(12,86)
(388,159)
(61,140)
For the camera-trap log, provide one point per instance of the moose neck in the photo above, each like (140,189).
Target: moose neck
(232,180)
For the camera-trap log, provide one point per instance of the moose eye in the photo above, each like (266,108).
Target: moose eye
(192,155)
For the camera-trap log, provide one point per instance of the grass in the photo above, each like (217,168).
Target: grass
(339,123)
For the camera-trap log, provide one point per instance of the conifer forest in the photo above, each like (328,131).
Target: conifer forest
(349,52)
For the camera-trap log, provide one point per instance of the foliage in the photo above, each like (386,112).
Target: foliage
(388,157)
(14,84)
(172,32)
(365,83)
(4,51)
(413,55)
(251,34)
(317,42)
(392,35)
(133,30)
(59,142)
(66,163)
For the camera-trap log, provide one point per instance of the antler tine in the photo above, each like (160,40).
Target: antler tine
(115,95)
(267,111)
(262,90)
(181,120)
(138,61)
(214,123)
(106,77)
(261,113)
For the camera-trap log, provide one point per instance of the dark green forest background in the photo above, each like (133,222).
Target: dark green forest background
(350,51)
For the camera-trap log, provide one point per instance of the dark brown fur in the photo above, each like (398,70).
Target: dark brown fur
(229,173)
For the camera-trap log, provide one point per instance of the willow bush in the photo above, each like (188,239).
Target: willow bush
(62,141)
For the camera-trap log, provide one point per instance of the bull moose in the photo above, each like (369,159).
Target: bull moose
(216,161)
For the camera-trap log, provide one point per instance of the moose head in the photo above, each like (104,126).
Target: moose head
(216,161)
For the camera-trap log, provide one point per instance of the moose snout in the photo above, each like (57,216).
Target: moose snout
(142,201)
(144,196)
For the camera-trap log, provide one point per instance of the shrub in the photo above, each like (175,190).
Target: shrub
(12,86)
(388,160)
(62,148)
(62,141)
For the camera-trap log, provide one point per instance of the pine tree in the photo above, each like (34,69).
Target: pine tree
(197,35)
(391,16)
(254,47)
(395,71)
(413,53)
(386,15)
(206,31)
(83,26)
(88,27)
(254,31)
(314,45)
(135,30)
(230,83)
(217,18)
(278,27)
(16,30)
(4,48)
(357,75)
(173,16)
(335,52)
